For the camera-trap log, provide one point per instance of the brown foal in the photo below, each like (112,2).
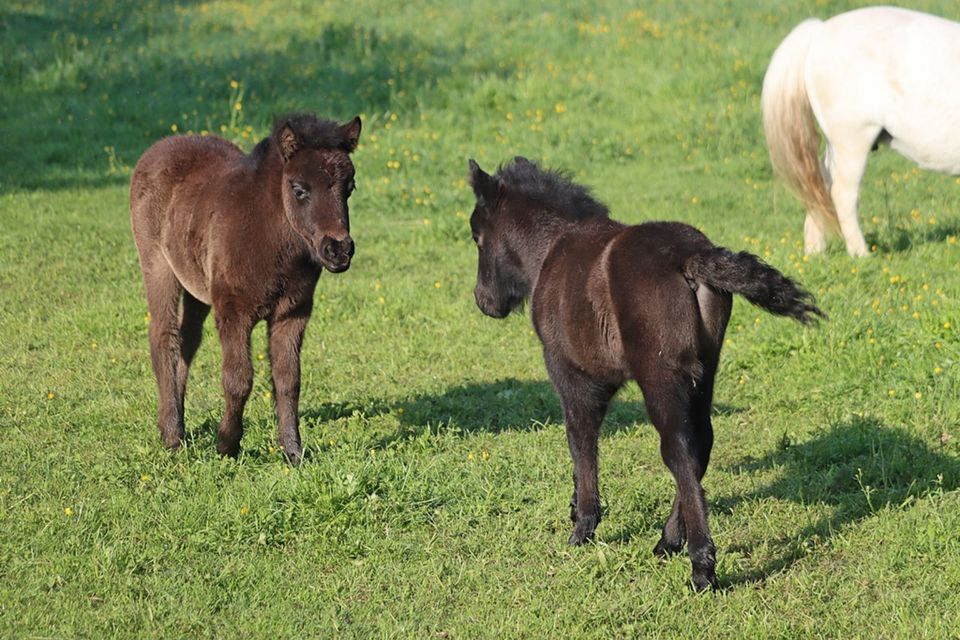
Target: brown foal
(247,235)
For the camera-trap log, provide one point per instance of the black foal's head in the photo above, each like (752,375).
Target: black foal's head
(501,284)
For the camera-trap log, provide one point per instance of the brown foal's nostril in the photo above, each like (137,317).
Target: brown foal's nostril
(336,254)
(347,246)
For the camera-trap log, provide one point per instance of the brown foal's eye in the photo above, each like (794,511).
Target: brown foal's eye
(299,192)
(351,186)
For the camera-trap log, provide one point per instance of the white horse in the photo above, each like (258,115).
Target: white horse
(874,75)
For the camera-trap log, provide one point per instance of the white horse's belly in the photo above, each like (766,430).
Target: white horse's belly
(929,150)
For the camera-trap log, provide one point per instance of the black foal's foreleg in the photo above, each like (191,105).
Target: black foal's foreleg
(583,434)
(585,404)
(674,534)
(682,445)
(286,337)
(573,498)
(237,379)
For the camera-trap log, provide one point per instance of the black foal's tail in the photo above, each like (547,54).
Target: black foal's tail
(755,280)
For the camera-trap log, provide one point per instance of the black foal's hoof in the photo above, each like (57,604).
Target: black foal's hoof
(666,548)
(704,580)
(583,531)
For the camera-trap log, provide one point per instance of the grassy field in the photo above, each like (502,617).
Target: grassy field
(432,501)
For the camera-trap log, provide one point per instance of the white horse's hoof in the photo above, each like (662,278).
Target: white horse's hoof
(858,251)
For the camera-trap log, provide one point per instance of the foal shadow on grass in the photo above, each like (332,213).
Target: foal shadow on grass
(478,407)
(853,469)
(507,405)
(495,406)
(491,407)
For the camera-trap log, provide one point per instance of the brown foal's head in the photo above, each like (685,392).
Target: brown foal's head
(317,182)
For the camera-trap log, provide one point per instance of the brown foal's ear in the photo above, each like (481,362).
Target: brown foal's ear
(288,141)
(351,131)
(485,186)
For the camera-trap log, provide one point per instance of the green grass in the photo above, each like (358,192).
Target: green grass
(432,500)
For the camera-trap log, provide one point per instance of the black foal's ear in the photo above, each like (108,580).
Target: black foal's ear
(288,141)
(485,186)
(521,160)
(351,132)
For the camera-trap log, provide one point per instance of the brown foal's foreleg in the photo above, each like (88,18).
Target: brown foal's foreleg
(237,378)
(192,314)
(585,403)
(682,445)
(286,337)
(163,297)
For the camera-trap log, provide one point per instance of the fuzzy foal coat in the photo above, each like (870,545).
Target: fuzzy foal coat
(247,235)
(611,303)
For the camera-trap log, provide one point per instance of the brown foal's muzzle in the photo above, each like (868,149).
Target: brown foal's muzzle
(335,255)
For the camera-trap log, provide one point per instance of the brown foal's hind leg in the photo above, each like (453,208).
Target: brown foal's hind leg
(237,379)
(682,445)
(192,314)
(585,403)
(286,336)
(163,297)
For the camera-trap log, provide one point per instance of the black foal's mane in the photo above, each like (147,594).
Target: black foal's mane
(553,188)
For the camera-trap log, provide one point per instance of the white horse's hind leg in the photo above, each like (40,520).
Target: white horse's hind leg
(814,238)
(846,165)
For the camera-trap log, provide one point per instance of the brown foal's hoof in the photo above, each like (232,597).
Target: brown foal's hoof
(293,455)
(172,438)
(229,448)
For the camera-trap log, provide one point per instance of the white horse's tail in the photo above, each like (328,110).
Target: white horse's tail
(790,126)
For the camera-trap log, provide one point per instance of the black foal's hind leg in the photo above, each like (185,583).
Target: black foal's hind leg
(682,445)
(585,403)
(674,531)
